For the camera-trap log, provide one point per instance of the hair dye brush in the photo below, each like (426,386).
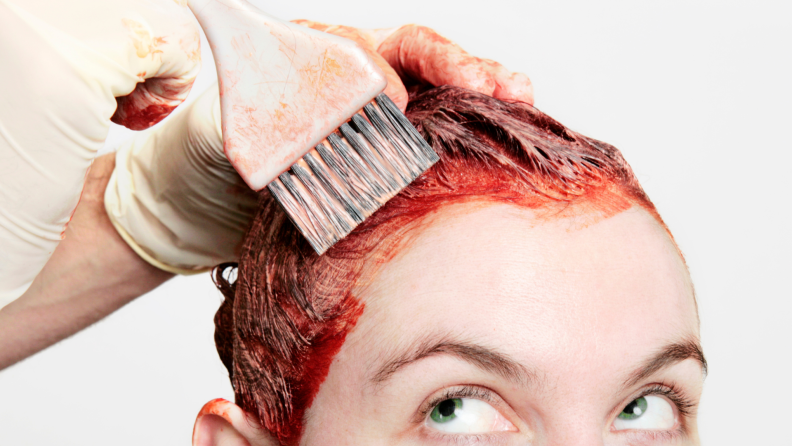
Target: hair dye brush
(303,114)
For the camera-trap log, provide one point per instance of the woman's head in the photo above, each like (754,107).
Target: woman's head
(520,286)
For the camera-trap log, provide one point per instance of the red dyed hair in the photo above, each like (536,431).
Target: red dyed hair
(288,311)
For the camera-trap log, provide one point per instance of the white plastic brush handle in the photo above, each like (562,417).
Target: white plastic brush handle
(283,87)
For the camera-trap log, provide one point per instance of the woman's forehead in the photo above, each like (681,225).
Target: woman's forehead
(552,288)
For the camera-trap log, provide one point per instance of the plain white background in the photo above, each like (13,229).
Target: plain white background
(697,96)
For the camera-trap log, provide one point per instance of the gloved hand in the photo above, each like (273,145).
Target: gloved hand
(416,58)
(63,66)
(174,197)
(180,205)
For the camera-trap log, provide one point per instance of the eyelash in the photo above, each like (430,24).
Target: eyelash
(674,394)
(456,392)
(683,404)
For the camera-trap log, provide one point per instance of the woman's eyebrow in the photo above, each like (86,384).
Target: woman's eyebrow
(667,356)
(485,358)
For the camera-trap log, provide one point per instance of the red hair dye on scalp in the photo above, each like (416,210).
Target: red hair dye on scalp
(324,347)
(287,313)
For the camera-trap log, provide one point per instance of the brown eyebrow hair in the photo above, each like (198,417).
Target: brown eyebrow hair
(485,358)
(491,360)
(666,357)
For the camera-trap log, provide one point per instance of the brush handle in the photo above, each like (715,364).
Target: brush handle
(283,87)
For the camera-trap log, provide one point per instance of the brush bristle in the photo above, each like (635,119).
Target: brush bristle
(357,169)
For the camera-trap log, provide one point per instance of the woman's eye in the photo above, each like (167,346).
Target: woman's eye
(650,412)
(467,416)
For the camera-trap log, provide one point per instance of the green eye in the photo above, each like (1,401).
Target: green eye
(446,410)
(635,409)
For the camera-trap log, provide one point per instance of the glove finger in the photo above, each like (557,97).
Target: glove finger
(422,56)
(395,89)
(167,52)
(509,85)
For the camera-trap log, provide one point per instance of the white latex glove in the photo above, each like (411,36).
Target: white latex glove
(176,200)
(174,197)
(62,66)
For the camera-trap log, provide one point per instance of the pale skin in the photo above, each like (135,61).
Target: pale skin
(92,273)
(576,317)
